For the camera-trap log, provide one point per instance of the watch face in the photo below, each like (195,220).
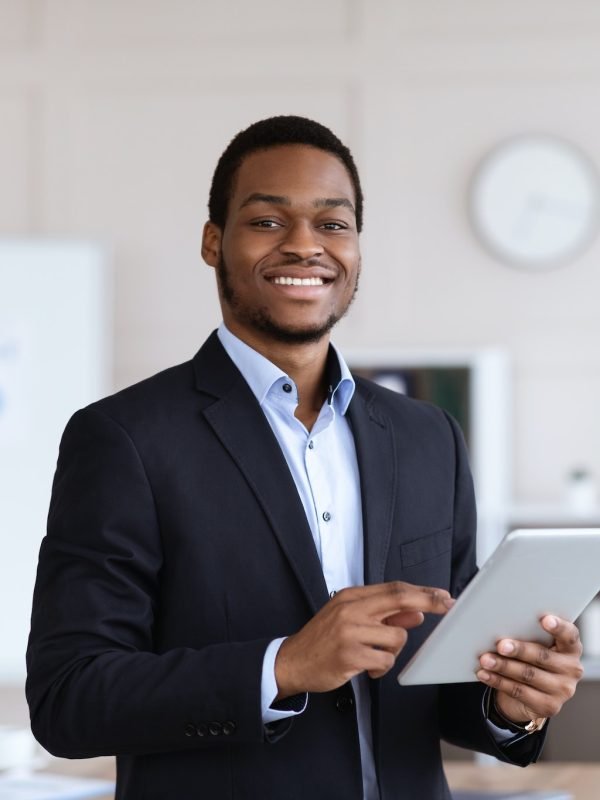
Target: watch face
(535,202)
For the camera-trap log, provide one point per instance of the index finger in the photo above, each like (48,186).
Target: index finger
(565,633)
(385,599)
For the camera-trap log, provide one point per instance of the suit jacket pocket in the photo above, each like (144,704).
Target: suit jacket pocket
(426,548)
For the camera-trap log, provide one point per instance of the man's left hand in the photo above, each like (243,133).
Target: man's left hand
(532,680)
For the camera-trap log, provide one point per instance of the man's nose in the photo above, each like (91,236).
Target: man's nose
(302,241)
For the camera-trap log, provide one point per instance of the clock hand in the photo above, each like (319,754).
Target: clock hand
(526,221)
(537,207)
(561,208)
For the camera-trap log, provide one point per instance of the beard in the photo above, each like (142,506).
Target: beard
(261,320)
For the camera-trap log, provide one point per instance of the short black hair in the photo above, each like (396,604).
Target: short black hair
(273,132)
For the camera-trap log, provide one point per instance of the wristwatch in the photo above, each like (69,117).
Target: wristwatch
(536,724)
(496,717)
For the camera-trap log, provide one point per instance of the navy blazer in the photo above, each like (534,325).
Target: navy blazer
(178,548)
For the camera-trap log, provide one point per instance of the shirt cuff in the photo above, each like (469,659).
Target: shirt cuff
(289,707)
(502,736)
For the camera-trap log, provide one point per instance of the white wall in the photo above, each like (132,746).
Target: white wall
(113,113)
(54,314)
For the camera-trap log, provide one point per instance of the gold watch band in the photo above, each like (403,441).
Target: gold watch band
(533,726)
(536,724)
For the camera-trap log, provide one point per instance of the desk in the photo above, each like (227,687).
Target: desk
(582,780)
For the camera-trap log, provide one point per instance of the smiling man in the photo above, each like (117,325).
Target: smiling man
(243,550)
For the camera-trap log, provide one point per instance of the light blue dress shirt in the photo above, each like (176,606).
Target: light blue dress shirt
(324,466)
(325,470)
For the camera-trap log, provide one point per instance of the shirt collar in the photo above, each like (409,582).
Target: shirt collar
(260,374)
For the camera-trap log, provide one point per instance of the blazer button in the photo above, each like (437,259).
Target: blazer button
(190,730)
(202,729)
(215,728)
(229,727)
(344,703)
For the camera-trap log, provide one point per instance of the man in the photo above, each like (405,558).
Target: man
(241,550)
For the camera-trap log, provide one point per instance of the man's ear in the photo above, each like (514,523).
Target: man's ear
(211,244)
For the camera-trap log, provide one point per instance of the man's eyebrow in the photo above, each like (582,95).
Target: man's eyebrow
(273,199)
(284,200)
(334,202)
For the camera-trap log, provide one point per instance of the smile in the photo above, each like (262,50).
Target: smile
(298,281)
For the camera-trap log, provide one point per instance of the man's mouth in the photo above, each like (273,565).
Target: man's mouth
(284,281)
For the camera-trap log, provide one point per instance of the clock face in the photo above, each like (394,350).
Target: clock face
(535,202)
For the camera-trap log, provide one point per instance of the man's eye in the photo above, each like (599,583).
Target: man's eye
(265,223)
(333,226)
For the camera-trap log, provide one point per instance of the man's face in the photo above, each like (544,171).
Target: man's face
(288,259)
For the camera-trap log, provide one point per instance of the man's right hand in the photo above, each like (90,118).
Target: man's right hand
(360,629)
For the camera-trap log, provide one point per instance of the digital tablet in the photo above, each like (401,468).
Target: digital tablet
(532,573)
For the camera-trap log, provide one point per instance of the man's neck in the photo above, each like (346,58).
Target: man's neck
(304,363)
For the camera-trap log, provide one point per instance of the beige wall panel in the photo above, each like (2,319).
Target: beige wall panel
(15,155)
(467,18)
(15,22)
(557,429)
(136,174)
(420,158)
(187,22)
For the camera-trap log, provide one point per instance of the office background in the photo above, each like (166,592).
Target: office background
(114,112)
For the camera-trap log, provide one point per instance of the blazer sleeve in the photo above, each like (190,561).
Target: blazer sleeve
(461,705)
(96,685)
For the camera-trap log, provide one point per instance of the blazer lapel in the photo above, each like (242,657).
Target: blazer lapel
(375,450)
(241,426)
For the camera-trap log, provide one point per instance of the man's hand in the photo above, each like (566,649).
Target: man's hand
(532,680)
(363,628)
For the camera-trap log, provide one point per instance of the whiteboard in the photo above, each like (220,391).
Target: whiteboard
(55,348)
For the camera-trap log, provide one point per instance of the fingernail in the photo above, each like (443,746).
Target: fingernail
(449,602)
(488,661)
(506,648)
(483,675)
(551,622)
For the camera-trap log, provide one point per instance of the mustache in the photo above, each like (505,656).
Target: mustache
(295,262)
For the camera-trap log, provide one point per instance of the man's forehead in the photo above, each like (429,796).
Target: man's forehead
(282,170)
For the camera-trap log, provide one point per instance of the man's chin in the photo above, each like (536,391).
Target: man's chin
(291,334)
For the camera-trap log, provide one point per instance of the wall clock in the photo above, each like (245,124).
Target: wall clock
(535,202)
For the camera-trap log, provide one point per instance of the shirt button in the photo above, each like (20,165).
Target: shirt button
(333,593)
(344,703)
(311,444)
(326,516)
(286,388)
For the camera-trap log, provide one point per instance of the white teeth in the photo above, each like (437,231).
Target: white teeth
(299,281)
